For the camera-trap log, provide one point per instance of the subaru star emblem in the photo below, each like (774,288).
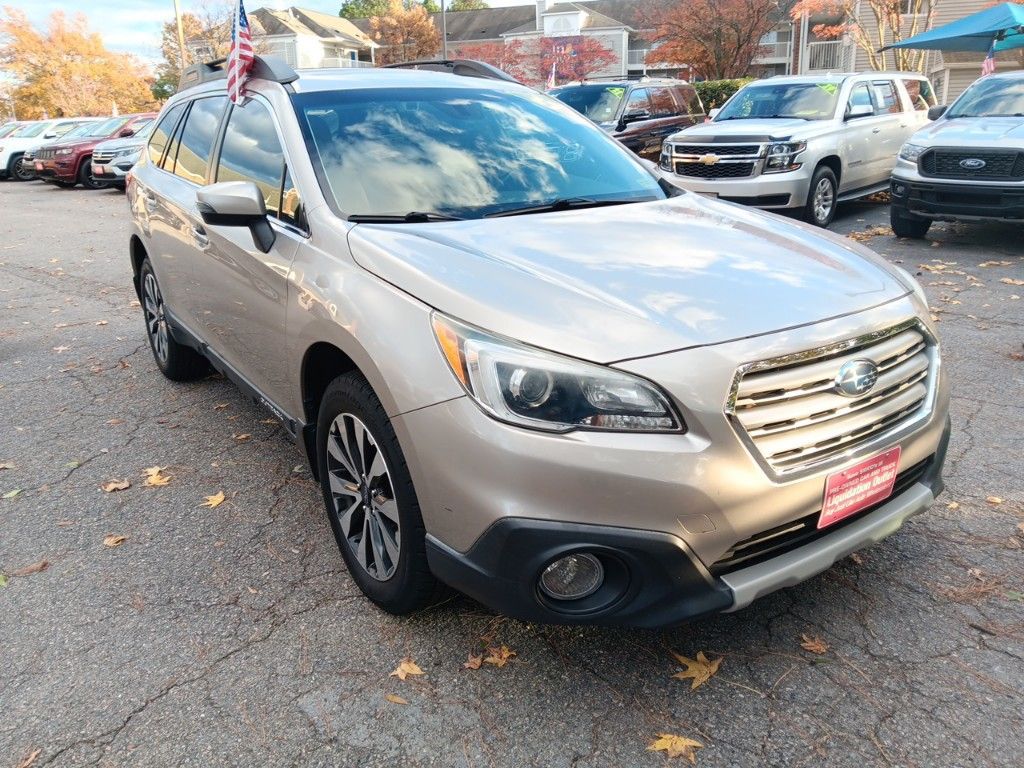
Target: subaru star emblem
(856,377)
(972,163)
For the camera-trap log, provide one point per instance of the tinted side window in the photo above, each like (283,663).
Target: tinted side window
(201,123)
(859,97)
(252,152)
(662,103)
(689,101)
(886,99)
(291,203)
(638,102)
(162,134)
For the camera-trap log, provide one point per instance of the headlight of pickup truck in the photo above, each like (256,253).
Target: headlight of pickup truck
(781,157)
(666,157)
(911,152)
(533,388)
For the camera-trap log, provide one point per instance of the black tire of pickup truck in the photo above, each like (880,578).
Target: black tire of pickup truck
(905,226)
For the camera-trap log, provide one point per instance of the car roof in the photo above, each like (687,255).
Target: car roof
(626,82)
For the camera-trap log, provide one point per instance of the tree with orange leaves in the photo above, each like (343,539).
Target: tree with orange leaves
(404,33)
(872,24)
(574,58)
(66,70)
(510,57)
(718,39)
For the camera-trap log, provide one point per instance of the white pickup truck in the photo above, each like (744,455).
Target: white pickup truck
(801,142)
(968,164)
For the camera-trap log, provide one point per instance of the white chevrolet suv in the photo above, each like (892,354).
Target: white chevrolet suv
(802,142)
(968,164)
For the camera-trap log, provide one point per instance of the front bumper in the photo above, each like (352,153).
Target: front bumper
(658,580)
(770,191)
(57,169)
(111,173)
(950,200)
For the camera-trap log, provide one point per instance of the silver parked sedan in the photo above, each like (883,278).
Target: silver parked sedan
(519,364)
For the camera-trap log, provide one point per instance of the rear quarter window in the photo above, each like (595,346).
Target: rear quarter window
(201,124)
(162,133)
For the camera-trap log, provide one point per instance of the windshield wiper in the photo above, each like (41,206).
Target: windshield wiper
(412,217)
(562,204)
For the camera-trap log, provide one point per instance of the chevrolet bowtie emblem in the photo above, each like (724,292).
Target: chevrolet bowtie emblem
(708,159)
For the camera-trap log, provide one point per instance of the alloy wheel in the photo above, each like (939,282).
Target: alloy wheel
(824,199)
(156,321)
(24,171)
(363,496)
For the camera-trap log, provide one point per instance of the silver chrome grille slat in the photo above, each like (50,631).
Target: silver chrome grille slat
(790,412)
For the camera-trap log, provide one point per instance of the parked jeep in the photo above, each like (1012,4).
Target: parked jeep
(639,113)
(968,164)
(69,162)
(801,142)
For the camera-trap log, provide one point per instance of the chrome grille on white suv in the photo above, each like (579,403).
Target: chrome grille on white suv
(792,411)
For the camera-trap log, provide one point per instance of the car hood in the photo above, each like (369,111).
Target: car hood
(973,130)
(607,284)
(753,129)
(73,143)
(115,145)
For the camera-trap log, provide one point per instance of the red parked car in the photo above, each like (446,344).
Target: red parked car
(68,162)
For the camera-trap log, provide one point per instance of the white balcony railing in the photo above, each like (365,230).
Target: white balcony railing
(828,56)
(637,57)
(780,50)
(332,62)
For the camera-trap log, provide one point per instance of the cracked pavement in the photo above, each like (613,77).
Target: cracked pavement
(234,636)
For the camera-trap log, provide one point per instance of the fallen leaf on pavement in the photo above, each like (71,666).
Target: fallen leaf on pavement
(699,670)
(28,570)
(242,436)
(954,505)
(499,657)
(101,322)
(813,644)
(12,494)
(857,558)
(30,759)
(114,540)
(155,476)
(116,485)
(3,579)
(405,668)
(675,746)
(5,465)
(395,699)
(473,662)
(114,422)
(994,500)
(213,501)
(995,263)
(220,406)
(1011,281)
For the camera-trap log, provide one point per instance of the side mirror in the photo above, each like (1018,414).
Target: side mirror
(50,135)
(934,113)
(632,117)
(124,133)
(237,204)
(713,113)
(859,110)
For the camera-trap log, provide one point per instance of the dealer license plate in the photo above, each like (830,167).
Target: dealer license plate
(855,488)
(39,166)
(99,170)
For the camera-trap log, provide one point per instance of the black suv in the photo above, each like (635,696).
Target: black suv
(639,113)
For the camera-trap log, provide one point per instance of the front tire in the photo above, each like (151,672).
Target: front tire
(24,171)
(85,176)
(370,499)
(906,226)
(175,361)
(821,197)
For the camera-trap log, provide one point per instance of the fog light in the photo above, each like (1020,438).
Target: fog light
(899,189)
(572,577)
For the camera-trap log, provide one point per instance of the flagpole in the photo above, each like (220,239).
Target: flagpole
(181,33)
(444,32)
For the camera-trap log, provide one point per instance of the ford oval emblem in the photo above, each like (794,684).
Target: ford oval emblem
(972,163)
(856,378)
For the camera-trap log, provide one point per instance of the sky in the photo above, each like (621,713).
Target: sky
(133,26)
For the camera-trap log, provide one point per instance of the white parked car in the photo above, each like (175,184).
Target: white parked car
(802,142)
(28,136)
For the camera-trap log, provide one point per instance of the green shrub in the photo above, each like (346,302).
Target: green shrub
(714,93)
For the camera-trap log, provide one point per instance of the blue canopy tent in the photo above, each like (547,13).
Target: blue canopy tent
(1001,24)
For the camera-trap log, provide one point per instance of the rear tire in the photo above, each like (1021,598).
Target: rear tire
(820,208)
(370,499)
(908,226)
(175,361)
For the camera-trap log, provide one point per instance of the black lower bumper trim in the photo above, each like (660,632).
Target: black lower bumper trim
(760,201)
(952,200)
(660,581)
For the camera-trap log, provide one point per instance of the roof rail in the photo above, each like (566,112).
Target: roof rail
(272,68)
(464,67)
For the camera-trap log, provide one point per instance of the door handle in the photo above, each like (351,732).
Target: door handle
(876,130)
(199,235)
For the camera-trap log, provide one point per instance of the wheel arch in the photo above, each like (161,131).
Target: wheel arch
(835,165)
(138,254)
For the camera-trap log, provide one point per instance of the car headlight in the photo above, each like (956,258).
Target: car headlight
(128,154)
(63,152)
(911,152)
(532,388)
(665,161)
(781,156)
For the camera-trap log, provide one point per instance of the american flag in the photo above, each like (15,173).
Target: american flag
(988,66)
(241,56)
(551,78)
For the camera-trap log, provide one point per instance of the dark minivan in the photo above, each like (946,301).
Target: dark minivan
(639,113)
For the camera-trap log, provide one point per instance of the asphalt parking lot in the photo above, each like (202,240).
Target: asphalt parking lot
(232,635)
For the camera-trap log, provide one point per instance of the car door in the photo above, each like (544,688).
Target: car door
(857,139)
(244,291)
(633,119)
(664,116)
(894,126)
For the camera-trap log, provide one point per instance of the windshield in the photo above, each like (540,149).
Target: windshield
(809,101)
(465,152)
(598,102)
(8,129)
(79,130)
(994,97)
(29,131)
(104,128)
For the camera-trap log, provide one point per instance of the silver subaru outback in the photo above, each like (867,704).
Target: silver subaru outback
(519,364)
